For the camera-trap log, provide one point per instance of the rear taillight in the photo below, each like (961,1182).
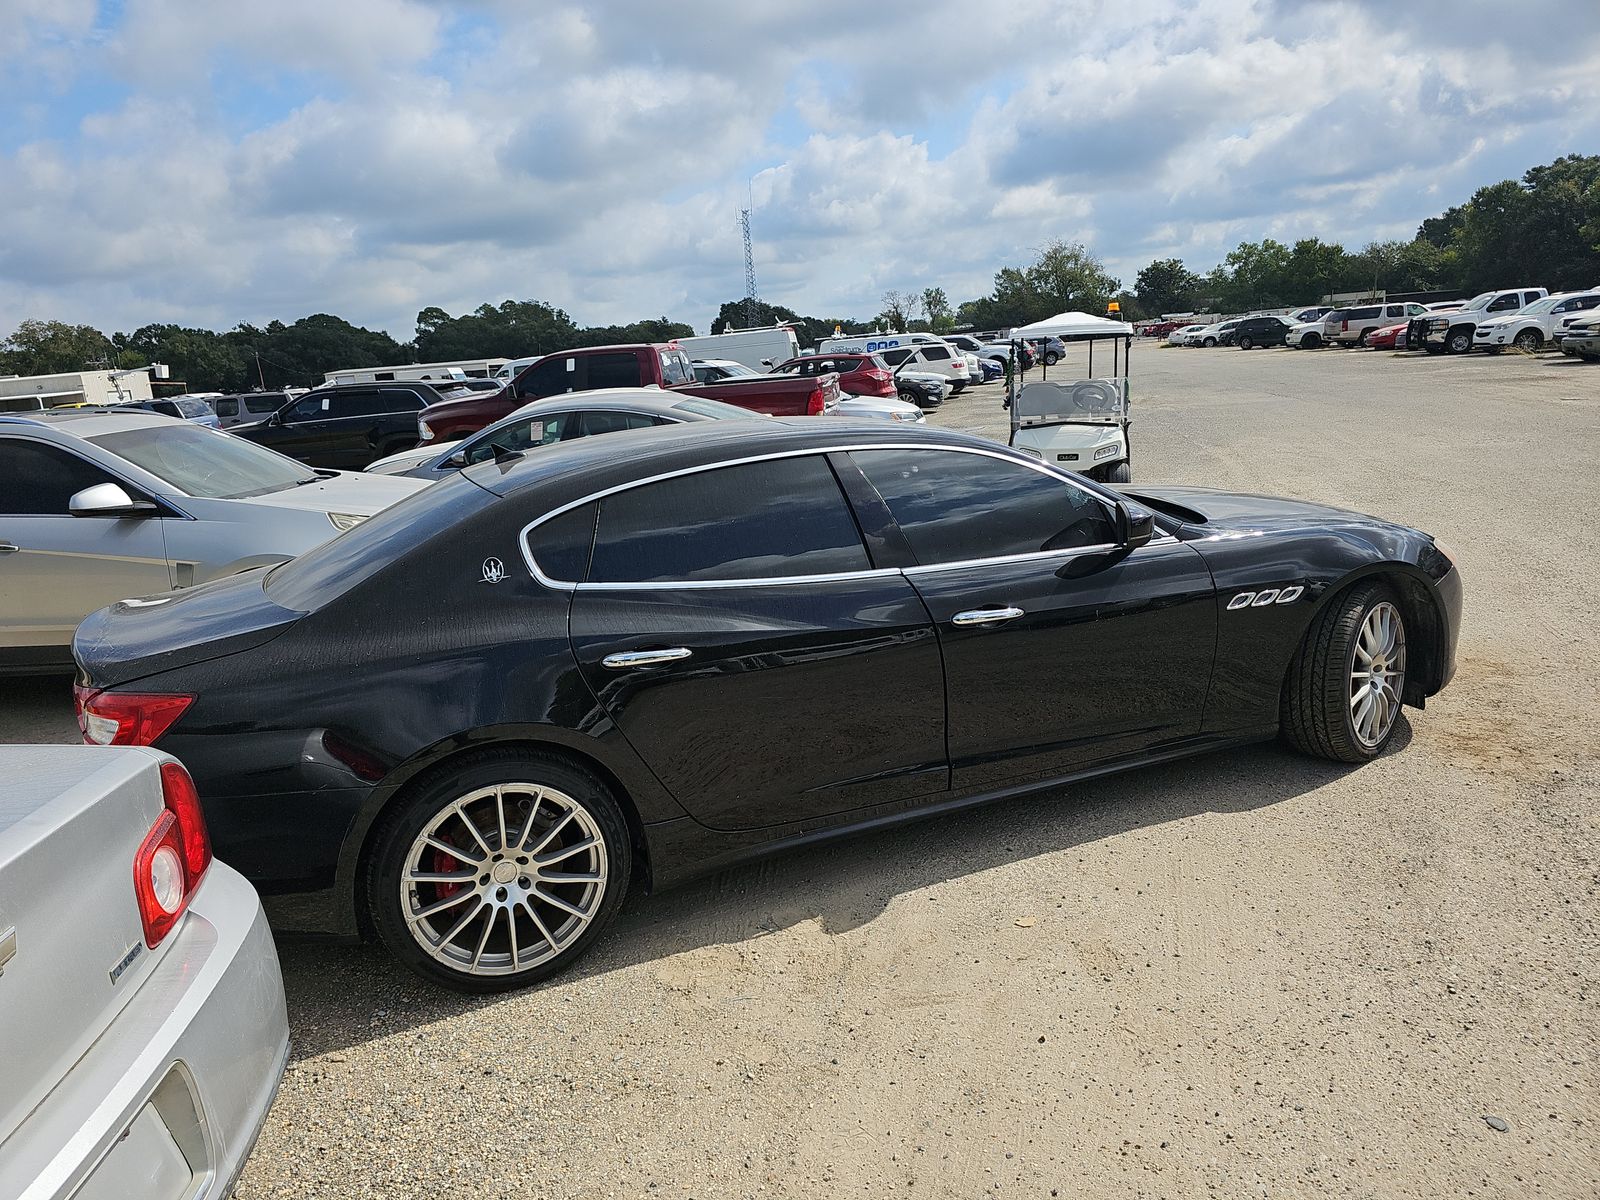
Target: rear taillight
(125,718)
(172,858)
(815,406)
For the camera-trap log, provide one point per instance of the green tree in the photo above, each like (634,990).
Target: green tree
(50,347)
(1067,276)
(936,305)
(1166,285)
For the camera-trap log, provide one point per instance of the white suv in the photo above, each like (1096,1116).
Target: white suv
(1353,324)
(1531,327)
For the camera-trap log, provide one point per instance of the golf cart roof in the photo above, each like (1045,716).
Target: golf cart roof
(1074,325)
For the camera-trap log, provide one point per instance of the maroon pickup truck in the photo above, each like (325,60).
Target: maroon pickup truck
(662,364)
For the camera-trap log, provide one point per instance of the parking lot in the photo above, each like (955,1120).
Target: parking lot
(1246,974)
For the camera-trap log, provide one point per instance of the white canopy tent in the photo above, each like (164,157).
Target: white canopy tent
(1069,325)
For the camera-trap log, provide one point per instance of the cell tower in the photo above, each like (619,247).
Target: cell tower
(749,272)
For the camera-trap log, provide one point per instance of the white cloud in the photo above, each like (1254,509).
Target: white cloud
(371,157)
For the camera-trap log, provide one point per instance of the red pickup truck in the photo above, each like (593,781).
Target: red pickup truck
(662,364)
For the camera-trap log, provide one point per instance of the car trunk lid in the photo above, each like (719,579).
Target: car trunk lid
(134,638)
(72,819)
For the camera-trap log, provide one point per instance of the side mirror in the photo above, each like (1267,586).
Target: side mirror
(108,500)
(458,459)
(275,419)
(766,362)
(1135,526)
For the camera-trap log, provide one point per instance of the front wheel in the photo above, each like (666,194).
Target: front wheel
(1209,342)
(1342,697)
(1245,343)
(500,871)
(1119,473)
(1459,341)
(1528,339)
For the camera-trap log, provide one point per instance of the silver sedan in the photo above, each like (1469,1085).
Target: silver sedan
(98,505)
(141,1005)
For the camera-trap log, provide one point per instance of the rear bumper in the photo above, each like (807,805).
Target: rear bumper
(173,1094)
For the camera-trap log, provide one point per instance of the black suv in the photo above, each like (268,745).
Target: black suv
(348,425)
(1259,331)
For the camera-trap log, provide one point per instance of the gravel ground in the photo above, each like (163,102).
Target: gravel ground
(1250,974)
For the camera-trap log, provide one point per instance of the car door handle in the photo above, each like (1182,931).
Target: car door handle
(8,548)
(644,658)
(985,616)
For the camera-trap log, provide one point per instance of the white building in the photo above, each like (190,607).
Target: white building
(474,368)
(30,393)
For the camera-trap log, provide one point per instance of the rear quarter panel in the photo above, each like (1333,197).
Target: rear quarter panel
(297,745)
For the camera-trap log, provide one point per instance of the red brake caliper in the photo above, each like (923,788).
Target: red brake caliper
(444,863)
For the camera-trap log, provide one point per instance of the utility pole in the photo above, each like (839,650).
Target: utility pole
(260,378)
(749,271)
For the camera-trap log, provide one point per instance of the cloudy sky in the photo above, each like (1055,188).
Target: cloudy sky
(210,163)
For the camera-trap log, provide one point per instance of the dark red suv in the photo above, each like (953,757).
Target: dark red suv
(859,374)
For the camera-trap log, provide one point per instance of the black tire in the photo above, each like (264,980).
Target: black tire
(576,808)
(1458,341)
(1361,338)
(1311,341)
(1051,358)
(911,397)
(1315,711)
(1209,342)
(1119,473)
(1245,343)
(1528,339)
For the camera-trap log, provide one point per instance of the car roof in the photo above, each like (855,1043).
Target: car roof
(653,401)
(91,421)
(568,470)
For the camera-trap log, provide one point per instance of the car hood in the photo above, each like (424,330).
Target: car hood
(1241,512)
(410,458)
(344,492)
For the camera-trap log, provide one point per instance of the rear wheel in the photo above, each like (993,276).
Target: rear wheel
(498,871)
(1051,358)
(1341,699)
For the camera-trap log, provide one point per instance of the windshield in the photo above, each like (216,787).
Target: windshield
(733,368)
(1078,402)
(715,408)
(203,462)
(1477,302)
(1543,306)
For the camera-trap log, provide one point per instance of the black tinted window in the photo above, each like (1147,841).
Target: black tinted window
(548,377)
(1501,303)
(38,480)
(936,353)
(227,408)
(400,400)
(561,545)
(522,435)
(617,370)
(759,520)
(310,408)
(1362,314)
(591,423)
(954,506)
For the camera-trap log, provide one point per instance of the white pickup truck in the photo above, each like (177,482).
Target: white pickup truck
(1452,332)
(1531,327)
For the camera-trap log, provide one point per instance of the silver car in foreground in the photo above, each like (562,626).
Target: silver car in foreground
(98,505)
(143,1030)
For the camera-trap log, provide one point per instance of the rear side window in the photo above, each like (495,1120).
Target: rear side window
(560,546)
(615,370)
(596,422)
(936,353)
(38,481)
(1363,314)
(763,520)
(956,507)
(227,408)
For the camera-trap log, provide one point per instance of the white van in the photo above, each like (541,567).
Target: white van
(758,349)
(924,351)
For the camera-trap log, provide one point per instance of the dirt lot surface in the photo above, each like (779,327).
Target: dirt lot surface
(1245,975)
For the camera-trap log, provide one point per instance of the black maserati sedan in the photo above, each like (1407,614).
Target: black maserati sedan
(473,722)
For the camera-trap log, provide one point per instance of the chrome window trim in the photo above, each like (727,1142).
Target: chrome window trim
(1043,468)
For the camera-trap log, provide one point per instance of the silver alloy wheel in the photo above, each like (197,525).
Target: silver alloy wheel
(1377,674)
(504,878)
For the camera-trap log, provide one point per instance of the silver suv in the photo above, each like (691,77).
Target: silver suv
(99,504)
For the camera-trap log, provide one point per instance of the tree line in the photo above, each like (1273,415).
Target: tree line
(1542,230)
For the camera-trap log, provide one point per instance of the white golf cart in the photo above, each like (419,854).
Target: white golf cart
(1077,423)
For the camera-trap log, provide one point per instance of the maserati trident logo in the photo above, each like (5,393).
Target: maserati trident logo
(493,570)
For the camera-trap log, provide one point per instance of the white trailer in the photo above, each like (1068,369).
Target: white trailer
(474,368)
(758,349)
